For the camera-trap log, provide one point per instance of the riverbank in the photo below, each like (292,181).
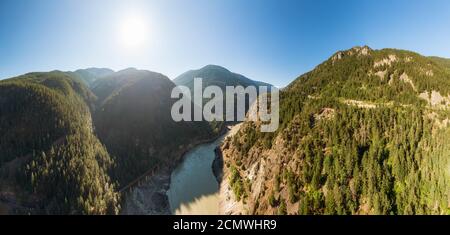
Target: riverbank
(149,195)
(227,206)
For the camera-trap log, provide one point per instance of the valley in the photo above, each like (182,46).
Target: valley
(98,138)
(364,132)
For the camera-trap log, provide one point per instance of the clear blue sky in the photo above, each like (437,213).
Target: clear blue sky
(269,40)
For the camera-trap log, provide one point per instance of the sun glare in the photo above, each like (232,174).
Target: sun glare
(133,33)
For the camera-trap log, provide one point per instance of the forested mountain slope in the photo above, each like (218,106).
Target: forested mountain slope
(134,122)
(365,132)
(50,161)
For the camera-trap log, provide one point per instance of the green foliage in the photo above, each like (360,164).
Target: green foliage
(375,159)
(236,183)
(73,177)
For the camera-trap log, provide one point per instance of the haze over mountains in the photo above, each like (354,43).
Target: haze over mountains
(365,132)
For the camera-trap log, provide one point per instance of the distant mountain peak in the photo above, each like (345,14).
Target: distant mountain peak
(90,75)
(95,69)
(129,69)
(215,67)
(216,75)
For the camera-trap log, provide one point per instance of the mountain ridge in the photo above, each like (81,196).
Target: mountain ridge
(215,75)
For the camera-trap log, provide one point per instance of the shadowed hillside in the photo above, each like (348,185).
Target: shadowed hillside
(134,121)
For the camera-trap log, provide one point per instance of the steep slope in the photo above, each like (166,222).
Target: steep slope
(50,160)
(135,123)
(365,132)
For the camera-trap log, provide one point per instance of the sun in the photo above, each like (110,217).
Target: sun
(133,32)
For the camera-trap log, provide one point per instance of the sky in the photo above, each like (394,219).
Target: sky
(269,40)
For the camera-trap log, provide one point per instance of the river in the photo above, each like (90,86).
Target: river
(193,188)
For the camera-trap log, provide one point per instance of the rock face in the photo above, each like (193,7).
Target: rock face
(260,167)
(358,51)
(386,61)
(434,98)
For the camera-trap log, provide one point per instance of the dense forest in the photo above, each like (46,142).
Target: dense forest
(366,132)
(51,161)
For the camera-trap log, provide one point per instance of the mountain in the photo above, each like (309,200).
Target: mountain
(365,132)
(91,75)
(51,162)
(213,75)
(216,75)
(134,122)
